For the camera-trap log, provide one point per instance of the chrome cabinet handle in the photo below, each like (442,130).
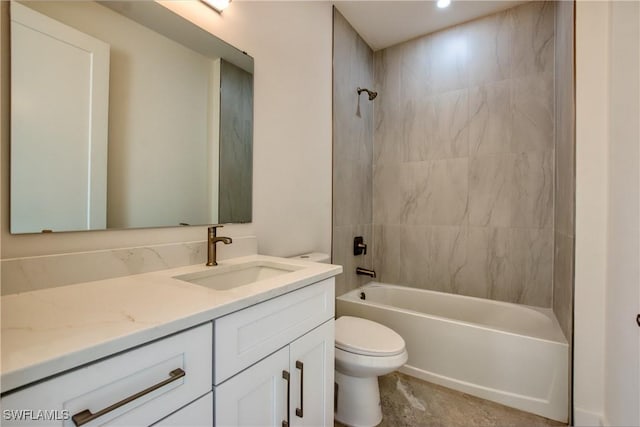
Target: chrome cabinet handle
(300,411)
(86,416)
(286,376)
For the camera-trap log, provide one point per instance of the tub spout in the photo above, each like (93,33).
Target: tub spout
(365,272)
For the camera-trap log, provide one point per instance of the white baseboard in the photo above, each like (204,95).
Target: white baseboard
(584,418)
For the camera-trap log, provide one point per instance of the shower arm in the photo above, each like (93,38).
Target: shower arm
(372,94)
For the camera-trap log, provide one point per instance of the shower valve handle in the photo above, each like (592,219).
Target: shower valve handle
(359,247)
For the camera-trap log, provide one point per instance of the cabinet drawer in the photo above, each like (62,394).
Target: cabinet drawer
(157,368)
(196,414)
(246,336)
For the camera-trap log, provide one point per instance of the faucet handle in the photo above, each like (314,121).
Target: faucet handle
(359,247)
(212,228)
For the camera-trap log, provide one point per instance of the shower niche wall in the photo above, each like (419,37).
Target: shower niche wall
(460,173)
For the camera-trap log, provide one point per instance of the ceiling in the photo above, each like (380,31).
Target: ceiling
(386,23)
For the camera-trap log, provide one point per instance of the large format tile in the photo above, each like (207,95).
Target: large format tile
(387,108)
(388,198)
(414,256)
(565,176)
(532,47)
(343,255)
(432,257)
(511,190)
(447,256)
(463,176)
(352,150)
(352,193)
(532,105)
(450,59)
(386,252)
(421,193)
(564,206)
(490,53)
(353,67)
(448,121)
(416,68)
(563,273)
(352,128)
(509,264)
(414,90)
(444,199)
(415,125)
(490,124)
(565,122)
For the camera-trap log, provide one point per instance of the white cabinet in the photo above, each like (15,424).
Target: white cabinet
(135,388)
(256,396)
(270,364)
(196,414)
(311,364)
(274,361)
(293,386)
(247,336)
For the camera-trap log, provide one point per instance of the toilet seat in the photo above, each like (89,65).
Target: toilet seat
(364,337)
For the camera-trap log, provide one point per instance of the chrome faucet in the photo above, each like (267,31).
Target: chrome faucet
(212,239)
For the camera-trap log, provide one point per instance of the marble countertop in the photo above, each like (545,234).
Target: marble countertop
(53,330)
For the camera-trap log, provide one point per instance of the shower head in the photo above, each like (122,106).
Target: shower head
(372,94)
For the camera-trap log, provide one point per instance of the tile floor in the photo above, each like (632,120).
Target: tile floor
(408,401)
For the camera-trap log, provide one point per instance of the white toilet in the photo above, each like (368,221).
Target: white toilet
(364,350)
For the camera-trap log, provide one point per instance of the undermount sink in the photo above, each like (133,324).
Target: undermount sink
(227,277)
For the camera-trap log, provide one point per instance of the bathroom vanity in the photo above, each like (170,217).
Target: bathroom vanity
(154,349)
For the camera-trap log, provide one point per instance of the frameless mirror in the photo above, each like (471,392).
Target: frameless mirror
(125,115)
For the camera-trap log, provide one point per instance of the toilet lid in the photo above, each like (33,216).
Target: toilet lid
(362,336)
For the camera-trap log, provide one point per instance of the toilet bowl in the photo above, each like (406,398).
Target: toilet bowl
(364,350)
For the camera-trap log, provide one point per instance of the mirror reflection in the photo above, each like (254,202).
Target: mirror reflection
(125,115)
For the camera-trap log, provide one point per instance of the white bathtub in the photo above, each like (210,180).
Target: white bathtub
(509,353)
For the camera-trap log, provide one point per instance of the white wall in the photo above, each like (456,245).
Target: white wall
(607,295)
(592,52)
(622,343)
(291,45)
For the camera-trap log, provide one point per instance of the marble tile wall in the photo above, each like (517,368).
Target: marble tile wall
(352,152)
(463,159)
(41,272)
(564,234)
(235,144)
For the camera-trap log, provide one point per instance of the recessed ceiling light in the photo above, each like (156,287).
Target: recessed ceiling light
(443,3)
(219,5)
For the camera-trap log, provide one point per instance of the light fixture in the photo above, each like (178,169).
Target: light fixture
(443,3)
(217,5)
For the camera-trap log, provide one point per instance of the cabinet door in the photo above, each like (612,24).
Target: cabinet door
(256,396)
(311,367)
